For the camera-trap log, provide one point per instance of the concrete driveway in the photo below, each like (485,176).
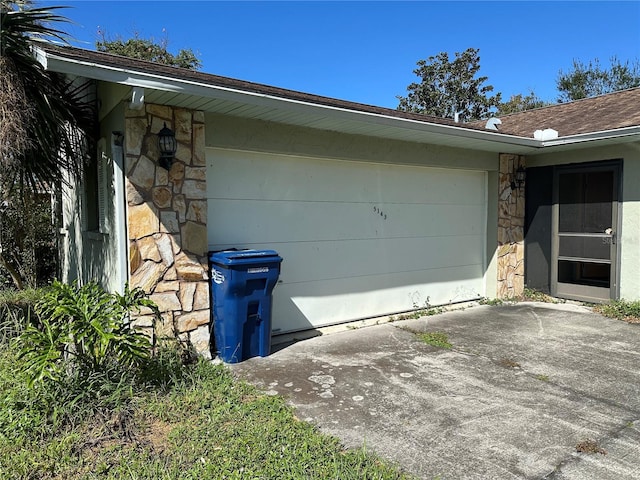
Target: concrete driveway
(522,389)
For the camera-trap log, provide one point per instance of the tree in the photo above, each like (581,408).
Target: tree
(589,80)
(44,117)
(148,49)
(450,88)
(520,103)
(46,120)
(28,241)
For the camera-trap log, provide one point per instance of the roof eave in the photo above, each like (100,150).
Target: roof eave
(491,141)
(592,139)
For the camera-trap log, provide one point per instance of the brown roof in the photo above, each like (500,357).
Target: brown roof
(132,64)
(605,112)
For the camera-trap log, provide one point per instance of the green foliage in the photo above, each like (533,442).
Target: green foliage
(46,130)
(203,425)
(435,339)
(491,301)
(629,311)
(83,331)
(28,249)
(448,87)
(46,121)
(149,50)
(533,295)
(520,103)
(588,80)
(16,311)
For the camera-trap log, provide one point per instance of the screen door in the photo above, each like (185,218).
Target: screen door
(585,232)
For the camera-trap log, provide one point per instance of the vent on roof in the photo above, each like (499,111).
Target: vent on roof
(546,134)
(492,123)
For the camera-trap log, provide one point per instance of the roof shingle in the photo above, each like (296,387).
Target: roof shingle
(605,112)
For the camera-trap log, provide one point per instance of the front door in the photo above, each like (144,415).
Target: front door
(585,220)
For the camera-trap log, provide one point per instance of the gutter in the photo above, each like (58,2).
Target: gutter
(62,64)
(131,78)
(594,136)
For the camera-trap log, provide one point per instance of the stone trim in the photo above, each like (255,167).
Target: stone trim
(510,229)
(166,221)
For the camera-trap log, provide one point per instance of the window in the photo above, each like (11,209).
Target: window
(95,191)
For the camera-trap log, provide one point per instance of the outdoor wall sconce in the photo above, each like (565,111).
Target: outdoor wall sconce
(517,180)
(168,146)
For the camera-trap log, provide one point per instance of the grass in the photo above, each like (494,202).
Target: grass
(491,301)
(532,295)
(435,339)
(15,306)
(427,311)
(202,423)
(621,310)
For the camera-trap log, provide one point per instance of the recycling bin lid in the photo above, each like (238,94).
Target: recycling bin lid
(234,257)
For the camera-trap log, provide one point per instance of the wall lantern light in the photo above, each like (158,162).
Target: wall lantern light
(517,180)
(168,146)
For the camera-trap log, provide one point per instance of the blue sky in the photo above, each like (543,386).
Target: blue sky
(367,51)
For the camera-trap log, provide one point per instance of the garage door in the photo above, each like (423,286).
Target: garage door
(358,239)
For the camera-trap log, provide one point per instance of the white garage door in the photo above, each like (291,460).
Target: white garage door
(358,239)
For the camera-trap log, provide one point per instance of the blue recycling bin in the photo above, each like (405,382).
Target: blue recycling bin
(241,285)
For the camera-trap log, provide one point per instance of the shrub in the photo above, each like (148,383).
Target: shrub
(84,331)
(629,311)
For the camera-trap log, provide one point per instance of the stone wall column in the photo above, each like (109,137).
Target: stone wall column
(510,229)
(166,221)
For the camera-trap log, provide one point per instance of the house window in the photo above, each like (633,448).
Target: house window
(95,191)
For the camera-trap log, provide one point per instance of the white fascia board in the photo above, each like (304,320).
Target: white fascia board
(630,132)
(512,143)
(190,87)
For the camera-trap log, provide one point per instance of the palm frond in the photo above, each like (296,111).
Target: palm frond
(56,116)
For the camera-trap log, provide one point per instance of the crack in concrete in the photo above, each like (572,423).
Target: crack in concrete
(576,458)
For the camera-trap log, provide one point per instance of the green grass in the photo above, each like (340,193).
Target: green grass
(435,339)
(491,301)
(201,423)
(621,310)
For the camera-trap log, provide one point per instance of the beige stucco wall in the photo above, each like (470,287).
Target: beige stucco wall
(629,234)
(242,134)
(252,135)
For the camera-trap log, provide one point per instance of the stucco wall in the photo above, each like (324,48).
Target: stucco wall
(94,256)
(230,132)
(629,234)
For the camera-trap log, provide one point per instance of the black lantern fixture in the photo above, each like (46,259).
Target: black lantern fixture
(517,180)
(167,145)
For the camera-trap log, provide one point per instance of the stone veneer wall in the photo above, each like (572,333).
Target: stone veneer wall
(166,221)
(510,229)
